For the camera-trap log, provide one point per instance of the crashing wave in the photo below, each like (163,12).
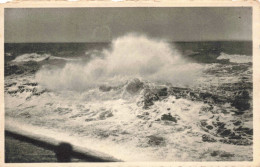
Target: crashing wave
(235,58)
(131,56)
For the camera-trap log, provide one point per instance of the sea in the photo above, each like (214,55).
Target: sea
(135,98)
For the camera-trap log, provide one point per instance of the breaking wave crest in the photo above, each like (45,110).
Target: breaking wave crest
(31,57)
(131,56)
(236,58)
(39,57)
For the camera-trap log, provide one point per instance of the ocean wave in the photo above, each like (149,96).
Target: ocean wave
(131,56)
(40,57)
(31,57)
(235,58)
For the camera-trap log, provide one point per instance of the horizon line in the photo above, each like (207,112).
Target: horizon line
(112,41)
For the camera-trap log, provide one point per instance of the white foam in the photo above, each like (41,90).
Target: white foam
(63,58)
(235,58)
(124,135)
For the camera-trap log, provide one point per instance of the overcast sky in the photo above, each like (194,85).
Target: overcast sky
(104,24)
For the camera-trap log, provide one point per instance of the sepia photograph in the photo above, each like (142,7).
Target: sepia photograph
(128,84)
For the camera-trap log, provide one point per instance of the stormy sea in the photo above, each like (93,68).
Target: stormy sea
(136,98)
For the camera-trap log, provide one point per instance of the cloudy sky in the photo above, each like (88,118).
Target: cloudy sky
(105,24)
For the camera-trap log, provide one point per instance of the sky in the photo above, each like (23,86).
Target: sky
(105,24)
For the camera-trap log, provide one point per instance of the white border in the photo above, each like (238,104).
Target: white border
(256,73)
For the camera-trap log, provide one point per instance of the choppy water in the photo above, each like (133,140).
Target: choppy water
(136,98)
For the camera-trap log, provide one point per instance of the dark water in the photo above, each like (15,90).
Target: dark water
(205,52)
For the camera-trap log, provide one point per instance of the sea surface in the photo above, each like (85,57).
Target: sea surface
(136,98)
